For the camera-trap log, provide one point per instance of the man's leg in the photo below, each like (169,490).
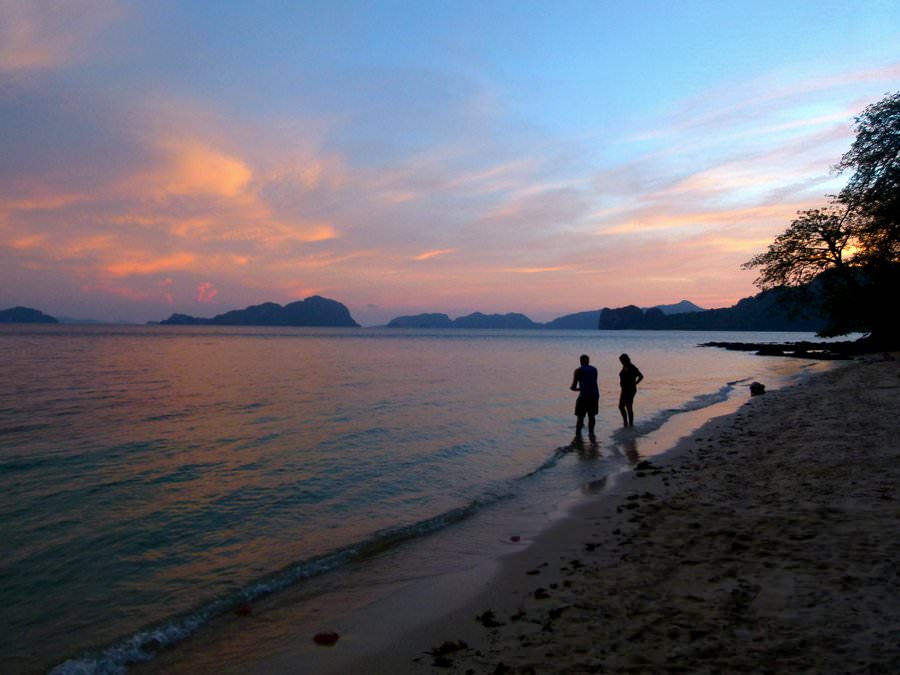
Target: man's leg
(579,425)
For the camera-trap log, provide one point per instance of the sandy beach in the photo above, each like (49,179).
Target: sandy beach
(766,542)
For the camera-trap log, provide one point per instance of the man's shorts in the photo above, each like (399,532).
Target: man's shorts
(587,405)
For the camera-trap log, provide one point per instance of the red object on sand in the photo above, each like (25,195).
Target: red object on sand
(326,639)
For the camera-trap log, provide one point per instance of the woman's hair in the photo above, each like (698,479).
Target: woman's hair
(624,358)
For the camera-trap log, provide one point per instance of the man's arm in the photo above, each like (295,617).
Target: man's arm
(574,386)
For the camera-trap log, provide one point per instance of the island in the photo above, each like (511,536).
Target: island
(767,311)
(25,315)
(313,311)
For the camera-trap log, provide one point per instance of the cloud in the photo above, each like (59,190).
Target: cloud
(42,34)
(235,195)
(206,293)
(771,102)
(140,264)
(534,270)
(428,255)
(196,168)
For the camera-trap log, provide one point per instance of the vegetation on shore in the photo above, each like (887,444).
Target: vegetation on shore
(845,257)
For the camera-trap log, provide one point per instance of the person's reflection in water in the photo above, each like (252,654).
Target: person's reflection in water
(629,447)
(585,451)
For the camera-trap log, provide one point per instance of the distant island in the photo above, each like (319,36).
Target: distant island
(313,311)
(475,320)
(589,320)
(25,315)
(592,320)
(765,311)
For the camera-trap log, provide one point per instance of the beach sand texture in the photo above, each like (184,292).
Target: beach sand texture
(768,541)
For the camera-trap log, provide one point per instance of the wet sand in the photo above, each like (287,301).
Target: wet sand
(768,541)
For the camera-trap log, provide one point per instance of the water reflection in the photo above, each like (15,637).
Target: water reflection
(585,450)
(630,450)
(624,447)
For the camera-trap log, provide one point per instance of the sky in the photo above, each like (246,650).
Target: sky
(166,156)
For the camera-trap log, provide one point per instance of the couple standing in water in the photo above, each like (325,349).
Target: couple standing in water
(584,381)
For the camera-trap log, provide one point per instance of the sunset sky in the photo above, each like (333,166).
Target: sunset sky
(542,157)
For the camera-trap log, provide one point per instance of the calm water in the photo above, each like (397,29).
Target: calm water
(157,477)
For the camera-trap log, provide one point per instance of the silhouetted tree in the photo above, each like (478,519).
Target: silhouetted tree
(817,240)
(850,251)
(873,191)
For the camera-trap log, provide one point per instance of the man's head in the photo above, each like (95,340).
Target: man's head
(585,359)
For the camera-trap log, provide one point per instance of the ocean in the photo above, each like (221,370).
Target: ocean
(157,480)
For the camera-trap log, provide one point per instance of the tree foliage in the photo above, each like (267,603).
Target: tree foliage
(873,190)
(817,240)
(850,249)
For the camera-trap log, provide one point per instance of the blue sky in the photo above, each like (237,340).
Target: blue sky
(404,157)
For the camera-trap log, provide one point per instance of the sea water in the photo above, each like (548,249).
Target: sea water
(155,478)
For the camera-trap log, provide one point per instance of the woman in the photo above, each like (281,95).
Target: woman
(629,377)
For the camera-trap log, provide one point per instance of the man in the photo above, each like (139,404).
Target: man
(584,381)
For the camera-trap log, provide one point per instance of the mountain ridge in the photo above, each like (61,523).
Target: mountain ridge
(762,312)
(588,320)
(25,315)
(312,311)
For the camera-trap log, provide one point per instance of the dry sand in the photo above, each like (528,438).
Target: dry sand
(769,541)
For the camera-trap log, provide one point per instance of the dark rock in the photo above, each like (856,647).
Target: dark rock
(326,638)
(489,620)
(448,647)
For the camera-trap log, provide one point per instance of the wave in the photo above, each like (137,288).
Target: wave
(698,402)
(144,645)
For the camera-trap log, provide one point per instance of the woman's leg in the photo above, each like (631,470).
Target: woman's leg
(626,407)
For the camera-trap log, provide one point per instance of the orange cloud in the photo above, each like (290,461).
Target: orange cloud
(427,255)
(47,200)
(138,265)
(196,168)
(28,241)
(534,270)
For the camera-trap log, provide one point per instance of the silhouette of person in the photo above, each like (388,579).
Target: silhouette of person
(629,377)
(584,381)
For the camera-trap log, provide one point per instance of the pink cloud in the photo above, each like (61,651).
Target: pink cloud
(206,293)
(165,286)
